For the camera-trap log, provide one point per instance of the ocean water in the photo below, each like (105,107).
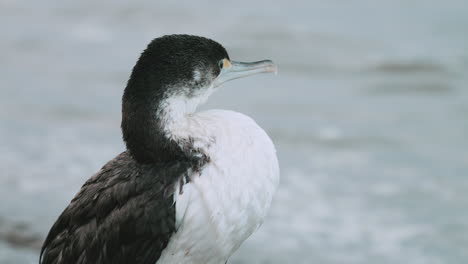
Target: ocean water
(369,113)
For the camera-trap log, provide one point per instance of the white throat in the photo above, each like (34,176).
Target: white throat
(176,112)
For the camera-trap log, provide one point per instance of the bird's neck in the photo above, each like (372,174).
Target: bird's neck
(174,114)
(158,130)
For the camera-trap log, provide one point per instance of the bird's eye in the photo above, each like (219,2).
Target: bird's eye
(221,64)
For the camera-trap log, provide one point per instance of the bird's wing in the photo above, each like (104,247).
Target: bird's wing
(123,214)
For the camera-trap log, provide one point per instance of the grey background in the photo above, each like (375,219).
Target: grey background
(368,113)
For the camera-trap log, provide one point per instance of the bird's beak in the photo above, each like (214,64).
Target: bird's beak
(233,69)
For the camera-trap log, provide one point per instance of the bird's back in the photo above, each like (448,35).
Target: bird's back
(123,214)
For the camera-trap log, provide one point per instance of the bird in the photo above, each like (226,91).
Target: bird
(191,186)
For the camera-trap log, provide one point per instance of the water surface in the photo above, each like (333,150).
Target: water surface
(368,113)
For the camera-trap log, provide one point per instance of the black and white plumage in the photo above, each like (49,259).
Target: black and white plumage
(191,186)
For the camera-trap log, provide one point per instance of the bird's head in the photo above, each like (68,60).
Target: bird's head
(188,68)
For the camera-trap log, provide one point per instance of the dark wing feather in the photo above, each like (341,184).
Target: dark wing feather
(123,214)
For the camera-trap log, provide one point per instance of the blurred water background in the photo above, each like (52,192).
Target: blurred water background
(368,113)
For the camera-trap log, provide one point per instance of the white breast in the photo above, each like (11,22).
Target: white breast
(225,203)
